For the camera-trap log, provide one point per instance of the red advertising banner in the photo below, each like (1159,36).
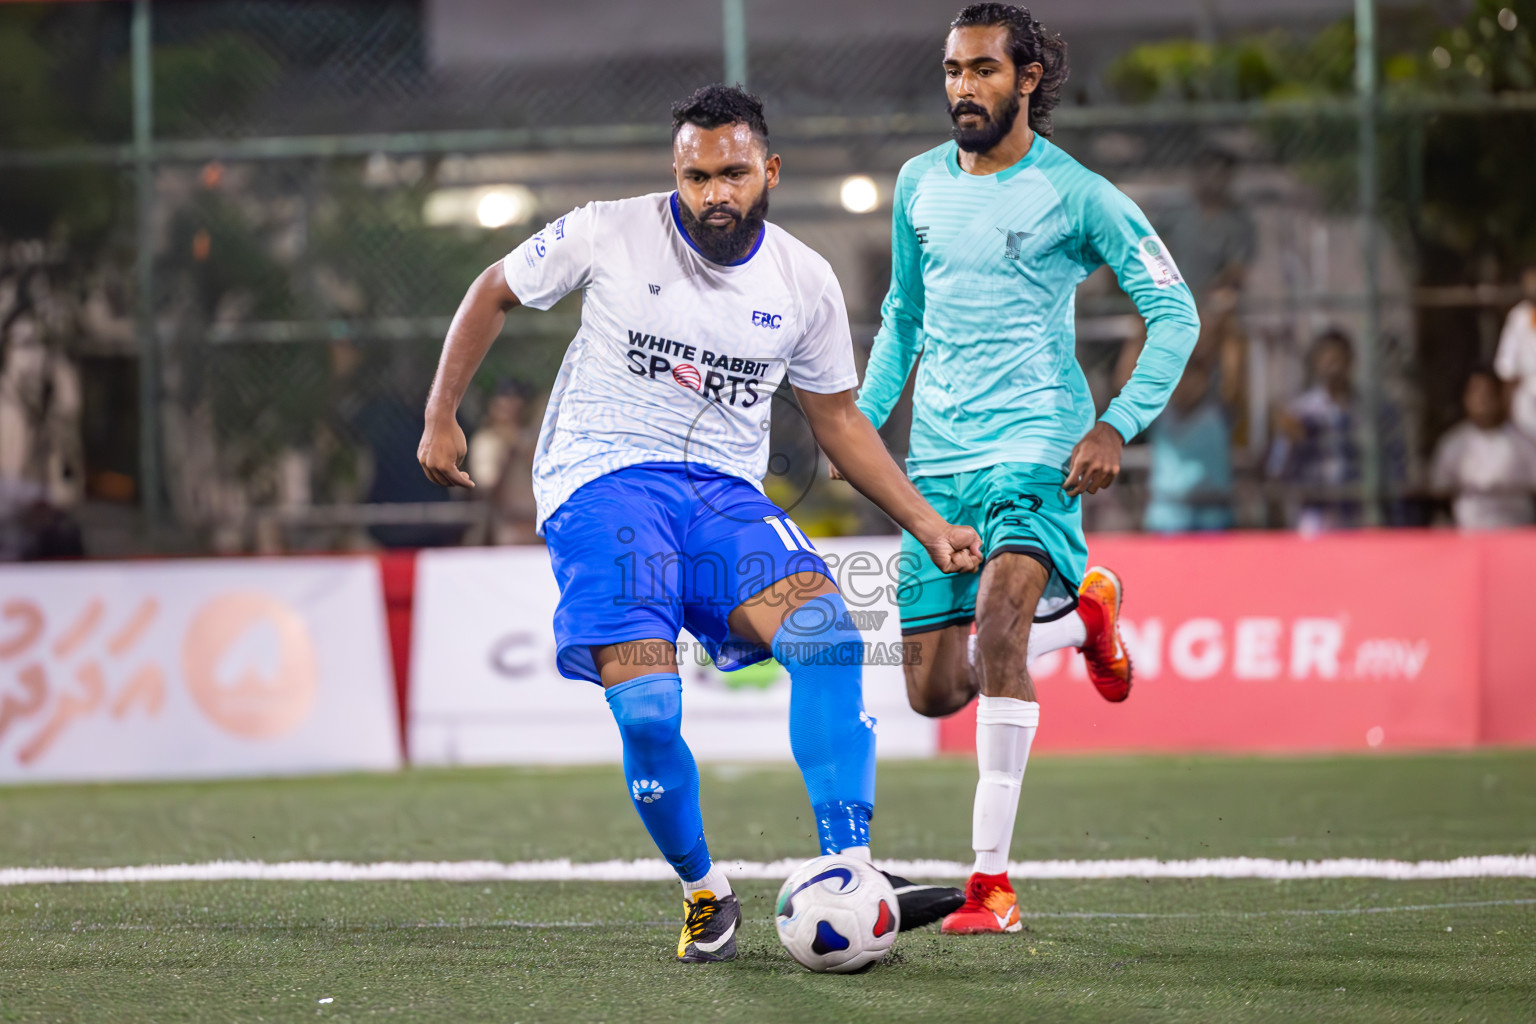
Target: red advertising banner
(1278,643)
(1509,629)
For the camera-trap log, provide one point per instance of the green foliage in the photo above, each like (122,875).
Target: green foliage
(1273,65)
(57,94)
(77,203)
(209,84)
(378,240)
(1450,183)
(1492,50)
(30,115)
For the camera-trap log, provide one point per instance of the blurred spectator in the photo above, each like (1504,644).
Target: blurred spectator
(31,529)
(391,426)
(16,496)
(501,465)
(39,392)
(51,532)
(1516,360)
(1318,446)
(1487,465)
(384,410)
(1191,473)
(1213,239)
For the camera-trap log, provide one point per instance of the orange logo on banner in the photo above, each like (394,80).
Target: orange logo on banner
(145,688)
(228,638)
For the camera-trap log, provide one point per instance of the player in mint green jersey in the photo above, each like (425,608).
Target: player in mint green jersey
(992,234)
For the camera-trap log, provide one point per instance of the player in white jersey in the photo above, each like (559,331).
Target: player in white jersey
(647,477)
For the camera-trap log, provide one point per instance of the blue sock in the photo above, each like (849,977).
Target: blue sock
(663,778)
(832,738)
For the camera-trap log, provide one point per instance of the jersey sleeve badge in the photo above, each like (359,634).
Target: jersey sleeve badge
(1159,262)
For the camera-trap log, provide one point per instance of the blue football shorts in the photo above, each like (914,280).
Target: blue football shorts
(650,550)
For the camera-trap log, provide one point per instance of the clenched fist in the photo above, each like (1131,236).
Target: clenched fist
(954,548)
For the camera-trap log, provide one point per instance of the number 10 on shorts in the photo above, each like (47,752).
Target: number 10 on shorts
(793,539)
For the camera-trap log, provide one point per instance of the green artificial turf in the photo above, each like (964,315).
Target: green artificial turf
(1123,950)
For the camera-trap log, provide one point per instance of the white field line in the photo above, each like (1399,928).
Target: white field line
(1522,866)
(1304,912)
(465,923)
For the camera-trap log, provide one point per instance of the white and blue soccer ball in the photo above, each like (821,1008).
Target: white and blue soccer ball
(837,914)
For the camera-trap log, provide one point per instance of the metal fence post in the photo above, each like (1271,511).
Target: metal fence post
(734,15)
(144,244)
(1370,334)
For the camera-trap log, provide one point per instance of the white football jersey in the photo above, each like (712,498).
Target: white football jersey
(677,358)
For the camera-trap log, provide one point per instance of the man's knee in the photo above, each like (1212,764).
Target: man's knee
(935,694)
(931,705)
(938,671)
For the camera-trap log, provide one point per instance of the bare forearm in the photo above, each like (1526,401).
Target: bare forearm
(854,447)
(476,324)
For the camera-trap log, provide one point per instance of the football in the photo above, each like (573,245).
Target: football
(837,915)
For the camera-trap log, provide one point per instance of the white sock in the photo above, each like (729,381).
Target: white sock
(1005,728)
(1045,637)
(1067,631)
(714,882)
(857,853)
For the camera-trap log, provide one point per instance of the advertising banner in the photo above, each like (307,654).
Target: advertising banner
(485,688)
(1277,643)
(1508,614)
(193,669)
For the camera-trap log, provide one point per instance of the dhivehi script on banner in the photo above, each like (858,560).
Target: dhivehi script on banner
(138,670)
(485,688)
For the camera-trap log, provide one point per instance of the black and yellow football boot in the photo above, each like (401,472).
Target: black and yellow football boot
(709,928)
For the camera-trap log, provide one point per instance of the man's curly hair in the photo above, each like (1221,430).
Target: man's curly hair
(1029,42)
(715,106)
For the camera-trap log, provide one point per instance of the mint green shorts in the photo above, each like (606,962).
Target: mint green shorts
(1016,507)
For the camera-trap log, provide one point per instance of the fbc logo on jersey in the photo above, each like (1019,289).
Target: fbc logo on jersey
(772,321)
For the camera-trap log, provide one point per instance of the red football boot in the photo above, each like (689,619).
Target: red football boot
(1098,603)
(990,906)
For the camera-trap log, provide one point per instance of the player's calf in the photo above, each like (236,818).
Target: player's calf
(833,740)
(831,736)
(663,783)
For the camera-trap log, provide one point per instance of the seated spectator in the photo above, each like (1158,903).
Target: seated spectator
(1516,360)
(1484,463)
(1318,446)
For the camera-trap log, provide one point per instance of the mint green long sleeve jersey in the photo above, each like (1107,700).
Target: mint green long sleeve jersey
(984,274)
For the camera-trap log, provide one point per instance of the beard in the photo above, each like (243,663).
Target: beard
(992,128)
(725,244)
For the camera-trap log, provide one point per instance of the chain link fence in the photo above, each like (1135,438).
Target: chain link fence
(319,196)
